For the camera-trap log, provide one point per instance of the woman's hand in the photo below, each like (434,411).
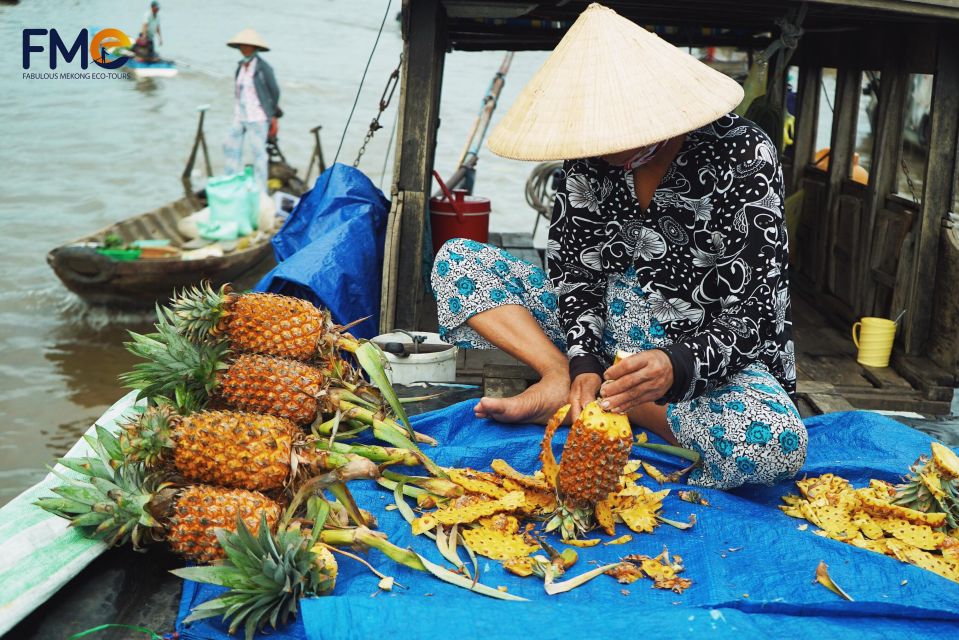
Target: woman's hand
(583,391)
(642,377)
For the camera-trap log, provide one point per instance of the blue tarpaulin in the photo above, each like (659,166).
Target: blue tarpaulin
(752,567)
(330,250)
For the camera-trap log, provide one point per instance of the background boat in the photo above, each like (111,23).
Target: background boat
(140,69)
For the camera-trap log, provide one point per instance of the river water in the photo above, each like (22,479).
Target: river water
(76,155)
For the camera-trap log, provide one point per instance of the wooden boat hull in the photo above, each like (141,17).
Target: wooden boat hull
(100,280)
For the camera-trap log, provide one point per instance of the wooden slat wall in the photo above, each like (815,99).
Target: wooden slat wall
(887,145)
(843,140)
(936,193)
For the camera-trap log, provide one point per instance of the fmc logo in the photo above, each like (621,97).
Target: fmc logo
(89,49)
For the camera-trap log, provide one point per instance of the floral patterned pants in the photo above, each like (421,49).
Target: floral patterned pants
(746,430)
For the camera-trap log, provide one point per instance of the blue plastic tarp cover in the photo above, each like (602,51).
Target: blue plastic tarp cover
(330,250)
(752,567)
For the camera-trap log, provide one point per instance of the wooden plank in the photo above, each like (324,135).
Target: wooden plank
(811,226)
(504,381)
(807,116)
(391,251)
(885,378)
(837,371)
(887,144)
(846,244)
(812,386)
(422,74)
(842,142)
(936,191)
(922,372)
(828,402)
(943,347)
(947,9)
(890,231)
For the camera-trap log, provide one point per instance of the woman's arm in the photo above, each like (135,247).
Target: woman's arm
(576,234)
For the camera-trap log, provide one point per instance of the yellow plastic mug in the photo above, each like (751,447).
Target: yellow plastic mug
(874,341)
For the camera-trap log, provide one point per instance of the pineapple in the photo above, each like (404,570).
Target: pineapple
(933,487)
(280,326)
(946,461)
(287,566)
(594,455)
(265,323)
(191,375)
(230,449)
(120,503)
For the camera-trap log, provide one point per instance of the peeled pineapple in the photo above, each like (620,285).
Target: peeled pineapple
(593,458)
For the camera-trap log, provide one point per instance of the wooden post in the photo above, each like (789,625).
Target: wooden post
(840,160)
(886,149)
(807,115)
(936,191)
(424,35)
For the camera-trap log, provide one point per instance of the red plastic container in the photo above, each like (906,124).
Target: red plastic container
(459,215)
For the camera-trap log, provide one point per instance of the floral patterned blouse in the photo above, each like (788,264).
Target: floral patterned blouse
(710,253)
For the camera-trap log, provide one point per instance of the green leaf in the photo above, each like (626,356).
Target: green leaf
(461,581)
(372,360)
(220,575)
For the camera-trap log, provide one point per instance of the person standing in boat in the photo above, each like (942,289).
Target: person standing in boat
(667,241)
(256,109)
(150,34)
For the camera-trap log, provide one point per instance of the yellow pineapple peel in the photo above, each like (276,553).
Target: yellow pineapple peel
(458,515)
(620,540)
(876,507)
(604,516)
(823,578)
(945,460)
(473,482)
(641,518)
(655,473)
(536,482)
(502,522)
(923,559)
(592,542)
(523,566)
(497,545)
(550,466)
(423,524)
(920,536)
(626,572)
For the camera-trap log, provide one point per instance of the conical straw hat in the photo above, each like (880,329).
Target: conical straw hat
(250,37)
(610,86)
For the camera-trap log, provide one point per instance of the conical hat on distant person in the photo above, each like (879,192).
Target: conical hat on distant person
(610,86)
(250,37)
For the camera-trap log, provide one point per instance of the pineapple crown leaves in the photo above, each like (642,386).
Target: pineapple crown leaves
(106,500)
(148,437)
(198,311)
(266,575)
(174,367)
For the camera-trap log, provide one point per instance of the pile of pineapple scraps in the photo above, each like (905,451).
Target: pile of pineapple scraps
(493,514)
(912,522)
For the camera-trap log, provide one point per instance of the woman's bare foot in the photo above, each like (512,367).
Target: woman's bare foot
(536,405)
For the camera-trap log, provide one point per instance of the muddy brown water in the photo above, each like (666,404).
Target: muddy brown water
(76,155)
